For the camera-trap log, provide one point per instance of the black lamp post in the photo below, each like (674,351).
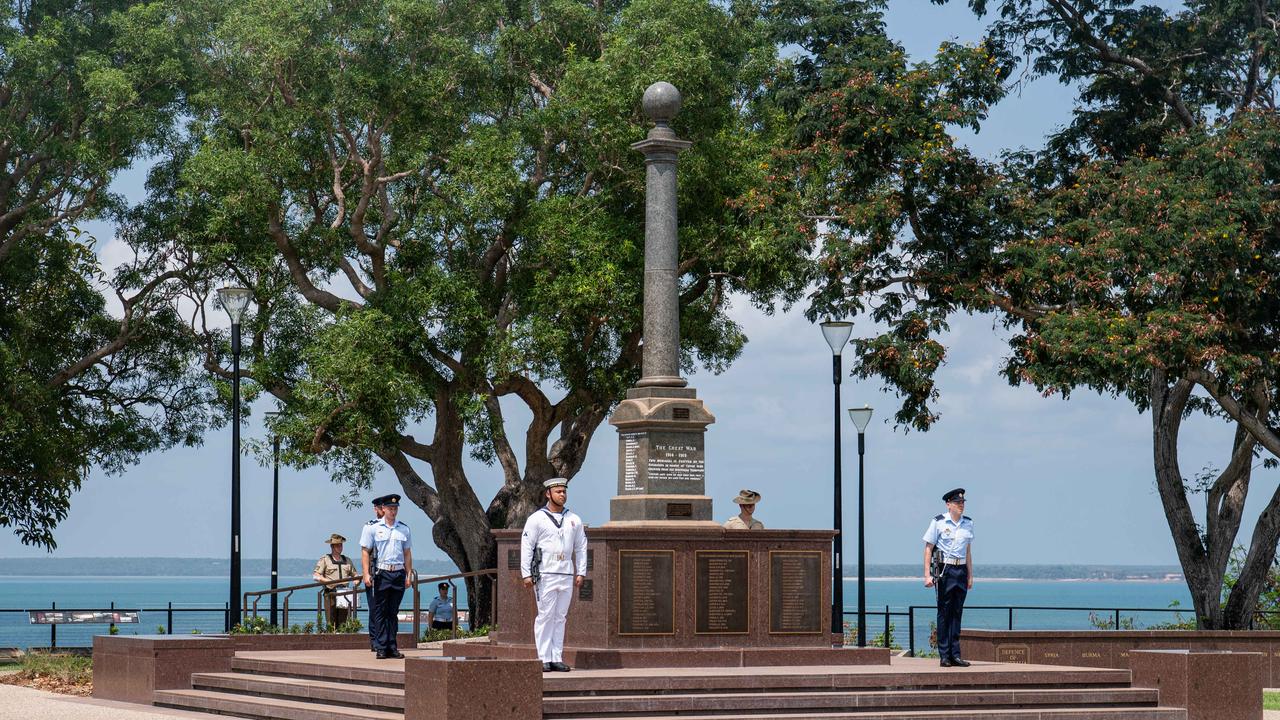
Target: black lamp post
(860,417)
(837,334)
(234,300)
(275,516)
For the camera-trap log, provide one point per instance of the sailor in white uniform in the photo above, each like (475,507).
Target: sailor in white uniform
(561,541)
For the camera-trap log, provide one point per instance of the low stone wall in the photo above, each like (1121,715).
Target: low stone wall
(130,668)
(1113,648)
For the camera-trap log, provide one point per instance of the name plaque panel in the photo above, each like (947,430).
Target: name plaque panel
(795,592)
(646,592)
(661,462)
(723,582)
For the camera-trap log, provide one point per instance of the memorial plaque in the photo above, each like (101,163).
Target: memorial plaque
(1013,654)
(661,462)
(679,510)
(591,559)
(795,592)
(646,592)
(587,591)
(513,559)
(723,582)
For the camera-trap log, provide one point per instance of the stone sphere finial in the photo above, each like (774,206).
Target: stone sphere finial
(661,102)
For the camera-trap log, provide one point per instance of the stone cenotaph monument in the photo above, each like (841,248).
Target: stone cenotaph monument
(662,575)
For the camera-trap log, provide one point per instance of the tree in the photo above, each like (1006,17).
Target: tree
(436,207)
(1133,254)
(85,88)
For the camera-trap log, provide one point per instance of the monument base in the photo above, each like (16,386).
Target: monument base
(613,659)
(654,586)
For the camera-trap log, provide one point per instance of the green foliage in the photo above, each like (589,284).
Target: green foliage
(88,88)
(432,635)
(76,669)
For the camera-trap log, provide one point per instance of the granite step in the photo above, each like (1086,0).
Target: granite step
(318,671)
(861,702)
(1156,713)
(974,678)
(340,693)
(264,708)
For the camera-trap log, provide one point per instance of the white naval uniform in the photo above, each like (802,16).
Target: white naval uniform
(564,550)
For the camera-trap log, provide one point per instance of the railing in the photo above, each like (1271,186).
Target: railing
(414,583)
(888,613)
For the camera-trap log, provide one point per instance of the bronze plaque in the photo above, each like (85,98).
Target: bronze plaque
(795,592)
(679,510)
(587,591)
(591,559)
(1012,654)
(723,581)
(513,559)
(646,592)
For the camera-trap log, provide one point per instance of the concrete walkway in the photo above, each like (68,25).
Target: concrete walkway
(21,703)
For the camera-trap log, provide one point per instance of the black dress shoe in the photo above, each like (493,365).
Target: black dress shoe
(395,653)
(945,662)
(560,667)
(960,663)
(382,656)
(546,667)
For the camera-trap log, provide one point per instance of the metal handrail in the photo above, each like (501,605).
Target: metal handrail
(414,583)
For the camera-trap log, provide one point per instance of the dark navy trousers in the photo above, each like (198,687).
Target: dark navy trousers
(368,603)
(388,590)
(953,587)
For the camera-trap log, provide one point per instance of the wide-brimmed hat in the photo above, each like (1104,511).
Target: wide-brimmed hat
(335,539)
(747,497)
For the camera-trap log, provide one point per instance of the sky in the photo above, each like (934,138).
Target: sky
(1048,480)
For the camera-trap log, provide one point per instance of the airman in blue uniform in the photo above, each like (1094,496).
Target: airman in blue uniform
(391,541)
(952,534)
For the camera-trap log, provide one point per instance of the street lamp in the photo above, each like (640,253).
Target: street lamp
(275,514)
(860,417)
(837,334)
(234,300)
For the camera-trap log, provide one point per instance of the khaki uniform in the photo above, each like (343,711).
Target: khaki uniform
(736,523)
(327,568)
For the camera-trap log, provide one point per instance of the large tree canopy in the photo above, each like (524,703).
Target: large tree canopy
(85,87)
(436,208)
(1134,254)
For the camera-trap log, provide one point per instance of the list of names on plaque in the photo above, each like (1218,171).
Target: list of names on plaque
(722,592)
(795,584)
(631,463)
(646,601)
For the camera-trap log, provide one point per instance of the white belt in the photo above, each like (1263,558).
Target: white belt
(390,567)
(952,561)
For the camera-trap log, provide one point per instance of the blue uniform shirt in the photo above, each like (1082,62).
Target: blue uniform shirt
(441,609)
(389,542)
(951,536)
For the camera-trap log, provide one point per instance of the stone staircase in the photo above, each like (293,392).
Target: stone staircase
(284,690)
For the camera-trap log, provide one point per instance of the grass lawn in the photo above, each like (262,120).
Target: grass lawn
(1271,701)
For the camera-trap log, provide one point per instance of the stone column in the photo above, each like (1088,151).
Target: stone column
(661,366)
(661,424)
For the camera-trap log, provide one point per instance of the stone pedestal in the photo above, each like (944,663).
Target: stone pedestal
(702,592)
(1210,685)
(661,458)
(443,689)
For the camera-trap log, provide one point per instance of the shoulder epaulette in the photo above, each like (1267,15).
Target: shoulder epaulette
(402,523)
(371,522)
(966,517)
(937,517)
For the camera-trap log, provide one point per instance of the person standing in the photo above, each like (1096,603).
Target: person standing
(392,574)
(745,519)
(557,537)
(952,534)
(365,571)
(440,611)
(335,566)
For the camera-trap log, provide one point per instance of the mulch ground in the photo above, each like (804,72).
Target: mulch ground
(49,684)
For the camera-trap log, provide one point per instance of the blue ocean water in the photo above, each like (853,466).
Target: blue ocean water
(199,602)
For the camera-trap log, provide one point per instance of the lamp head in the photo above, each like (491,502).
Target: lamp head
(234,300)
(860,417)
(837,333)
